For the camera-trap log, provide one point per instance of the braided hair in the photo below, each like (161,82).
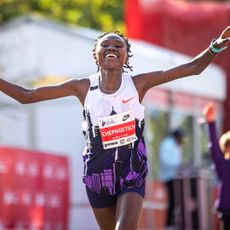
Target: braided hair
(128,45)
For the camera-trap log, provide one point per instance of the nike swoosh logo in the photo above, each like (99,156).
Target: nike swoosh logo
(125,101)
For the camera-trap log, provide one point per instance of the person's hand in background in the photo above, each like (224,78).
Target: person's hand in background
(209,112)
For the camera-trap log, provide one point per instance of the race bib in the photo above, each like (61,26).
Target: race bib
(117,130)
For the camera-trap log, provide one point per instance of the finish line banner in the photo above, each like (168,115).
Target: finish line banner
(34,190)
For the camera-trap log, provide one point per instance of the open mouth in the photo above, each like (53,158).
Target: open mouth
(111,56)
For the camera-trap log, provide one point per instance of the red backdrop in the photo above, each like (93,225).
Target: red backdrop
(181,26)
(34,190)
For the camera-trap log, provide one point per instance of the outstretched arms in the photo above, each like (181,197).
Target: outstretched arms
(23,95)
(146,81)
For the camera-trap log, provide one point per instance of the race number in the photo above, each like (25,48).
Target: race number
(117,130)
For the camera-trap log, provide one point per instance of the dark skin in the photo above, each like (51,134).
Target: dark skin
(111,55)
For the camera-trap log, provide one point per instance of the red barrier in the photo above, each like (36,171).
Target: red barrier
(34,191)
(154,209)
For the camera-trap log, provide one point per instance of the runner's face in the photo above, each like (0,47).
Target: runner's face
(111,52)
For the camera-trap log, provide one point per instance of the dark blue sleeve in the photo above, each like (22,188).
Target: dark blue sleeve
(214,147)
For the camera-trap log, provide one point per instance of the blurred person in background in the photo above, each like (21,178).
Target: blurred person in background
(220,151)
(115,160)
(170,162)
